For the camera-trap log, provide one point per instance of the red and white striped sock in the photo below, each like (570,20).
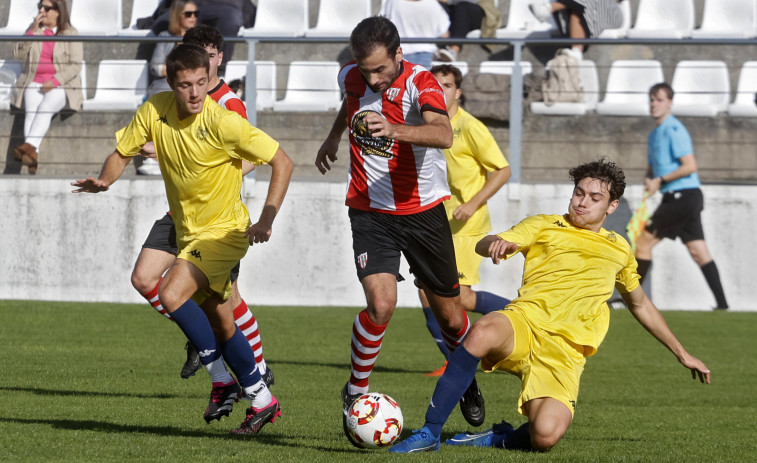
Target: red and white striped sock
(366,345)
(452,340)
(154,300)
(246,322)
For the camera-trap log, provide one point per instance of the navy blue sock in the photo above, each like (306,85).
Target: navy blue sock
(240,358)
(519,439)
(196,327)
(460,371)
(436,331)
(489,302)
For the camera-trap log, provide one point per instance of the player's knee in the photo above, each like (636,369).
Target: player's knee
(142,282)
(544,443)
(543,440)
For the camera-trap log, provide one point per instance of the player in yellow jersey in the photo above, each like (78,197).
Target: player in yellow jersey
(476,170)
(200,148)
(559,318)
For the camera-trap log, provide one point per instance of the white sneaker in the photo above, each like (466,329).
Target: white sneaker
(446,55)
(575,53)
(149,166)
(541,10)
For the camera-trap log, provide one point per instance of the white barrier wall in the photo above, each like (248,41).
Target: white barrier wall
(60,246)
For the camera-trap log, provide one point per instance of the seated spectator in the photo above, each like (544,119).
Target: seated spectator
(417,18)
(50,76)
(183,16)
(226,16)
(583,18)
(465,16)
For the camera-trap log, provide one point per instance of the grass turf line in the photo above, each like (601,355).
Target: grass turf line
(84,382)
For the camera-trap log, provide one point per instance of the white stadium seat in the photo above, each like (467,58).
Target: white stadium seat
(521,23)
(139,9)
(10,69)
(589,82)
(96,17)
(311,86)
(504,67)
(663,19)
(728,19)
(622,31)
(265,78)
(337,18)
(702,88)
(280,18)
(628,84)
(20,15)
(743,105)
(121,85)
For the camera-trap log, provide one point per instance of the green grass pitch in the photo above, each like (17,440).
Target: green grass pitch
(100,382)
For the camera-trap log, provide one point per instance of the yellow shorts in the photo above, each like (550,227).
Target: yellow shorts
(547,364)
(468,262)
(215,253)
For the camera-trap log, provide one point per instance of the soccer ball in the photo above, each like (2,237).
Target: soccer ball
(374,420)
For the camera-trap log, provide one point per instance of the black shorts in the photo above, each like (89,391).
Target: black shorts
(424,238)
(162,237)
(679,216)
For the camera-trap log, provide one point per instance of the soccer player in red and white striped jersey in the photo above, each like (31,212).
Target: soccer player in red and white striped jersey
(398,125)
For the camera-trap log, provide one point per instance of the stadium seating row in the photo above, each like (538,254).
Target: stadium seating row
(702,90)
(702,87)
(654,19)
(336,18)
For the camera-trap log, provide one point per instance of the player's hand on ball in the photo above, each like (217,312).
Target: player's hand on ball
(378,126)
(90,185)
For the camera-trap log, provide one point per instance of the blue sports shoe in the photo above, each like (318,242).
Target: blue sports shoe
(420,441)
(496,436)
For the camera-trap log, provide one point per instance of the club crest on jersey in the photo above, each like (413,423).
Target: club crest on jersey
(362,259)
(392,93)
(374,146)
(202,133)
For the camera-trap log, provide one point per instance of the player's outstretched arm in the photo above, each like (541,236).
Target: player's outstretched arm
(327,151)
(112,169)
(495,247)
(282,167)
(649,317)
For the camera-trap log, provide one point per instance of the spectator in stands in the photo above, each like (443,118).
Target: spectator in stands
(583,18)
(417,18)
(672,170)
(183,16)
(226,16)
(50,76)
(465,16)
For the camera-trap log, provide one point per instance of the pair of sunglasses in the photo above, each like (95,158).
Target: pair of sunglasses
(189,14)
(47,8)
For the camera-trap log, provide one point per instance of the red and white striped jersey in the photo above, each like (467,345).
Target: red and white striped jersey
(387,175)
(225,96)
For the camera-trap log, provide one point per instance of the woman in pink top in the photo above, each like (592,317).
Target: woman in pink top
(49,78)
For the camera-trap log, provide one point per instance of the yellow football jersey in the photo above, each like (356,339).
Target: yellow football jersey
(201,161)
(569,274)
(473,154)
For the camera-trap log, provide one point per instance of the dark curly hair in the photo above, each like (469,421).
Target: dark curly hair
(204,36)
(605,171)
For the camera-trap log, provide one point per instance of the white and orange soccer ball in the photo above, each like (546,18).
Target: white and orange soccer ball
(374,420)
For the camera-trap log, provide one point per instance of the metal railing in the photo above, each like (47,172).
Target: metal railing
(516,85)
